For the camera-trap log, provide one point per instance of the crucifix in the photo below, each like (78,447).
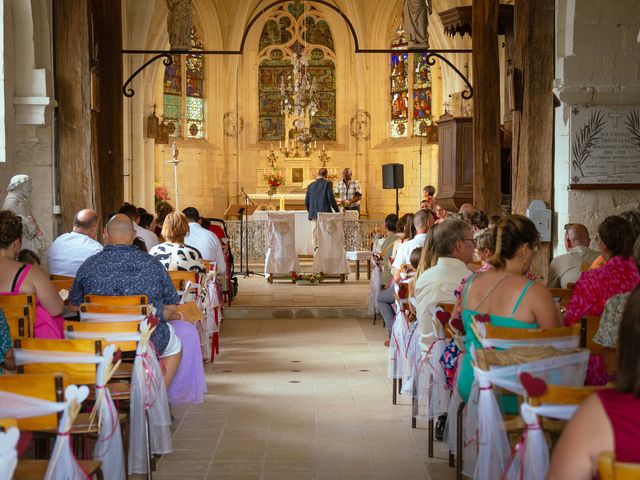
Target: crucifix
(272,158)
(615,116)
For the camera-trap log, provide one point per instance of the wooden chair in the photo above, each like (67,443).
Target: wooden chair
(561,295)
(116,301)
(7,423)
(588,329)
(610,469)
(46,386)
(21,305)
(18,327)
(62,282)
(184,275)
(90,312)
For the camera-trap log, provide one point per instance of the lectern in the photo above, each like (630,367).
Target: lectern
(243,211)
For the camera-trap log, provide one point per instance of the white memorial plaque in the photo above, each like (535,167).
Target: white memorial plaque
(605,146)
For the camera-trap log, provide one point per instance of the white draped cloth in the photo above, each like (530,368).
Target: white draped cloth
(148,400)
(62,464)
(8,452)
(281,255)
(484,418)
(331,256)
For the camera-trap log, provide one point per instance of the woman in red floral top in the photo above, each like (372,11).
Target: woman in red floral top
(618,275)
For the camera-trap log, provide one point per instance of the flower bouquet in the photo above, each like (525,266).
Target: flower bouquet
(309,278)
(161,194)
(274,180)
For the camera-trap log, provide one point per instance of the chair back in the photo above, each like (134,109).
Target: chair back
(561,295)
(588,329)
(18,327)
(7,423)
(563,395)
(20,305)
(505,337)
(107,331)
(79,373)
(90,312)
(62,282)
(448,308)
(184,275)
(117,301)
(46,386)
(609,469)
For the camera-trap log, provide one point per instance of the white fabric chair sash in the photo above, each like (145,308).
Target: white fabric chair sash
(25,357)
(375,286)
(107,336)
(281,256)
(148,394)
(8,452)
(331,256)
(110,317)
(63,464)
(561,343)
(530,457)
(493,445)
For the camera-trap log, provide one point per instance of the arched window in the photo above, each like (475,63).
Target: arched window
(184,101)
(410,91)
(293,28)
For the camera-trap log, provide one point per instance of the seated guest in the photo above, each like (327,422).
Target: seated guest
(618,275)
(485,245)
(162,210)
(466,210)
(503,293)
(494,219)
(173,253)
(70,250)
(565,269)
(608,420)
(441,213)
(406,231)
(16,277)
(150,238)
(453,246)
(607,334)
(422,221)
(203,240)
(479,221)
(6,346)
(147,221)
(29,257)
(122,269)
(386,249)
(429,197)
(633,217)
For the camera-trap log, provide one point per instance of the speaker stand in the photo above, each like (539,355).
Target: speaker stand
(397,203)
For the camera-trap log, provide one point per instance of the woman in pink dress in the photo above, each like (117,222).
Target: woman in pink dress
(609,420)
(16,277)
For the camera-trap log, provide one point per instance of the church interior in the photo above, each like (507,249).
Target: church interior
(330,186)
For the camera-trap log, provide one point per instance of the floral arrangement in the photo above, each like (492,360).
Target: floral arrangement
(308,277)
(161,193)
(274,180)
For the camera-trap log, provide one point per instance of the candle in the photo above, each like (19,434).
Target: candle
(280,144)
(323,147)
(281,202)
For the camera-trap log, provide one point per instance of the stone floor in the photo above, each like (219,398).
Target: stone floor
(300,399)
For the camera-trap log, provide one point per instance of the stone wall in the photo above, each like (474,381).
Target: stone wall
(597,63)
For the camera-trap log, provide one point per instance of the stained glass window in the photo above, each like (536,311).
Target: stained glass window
(291,27)
(184,98)
(410,91)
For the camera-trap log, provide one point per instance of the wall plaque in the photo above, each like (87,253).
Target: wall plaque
(605,147)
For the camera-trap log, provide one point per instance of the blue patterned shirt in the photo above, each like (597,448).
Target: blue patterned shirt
(126,270)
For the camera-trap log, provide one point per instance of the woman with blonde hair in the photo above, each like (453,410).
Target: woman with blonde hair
(503,293)
(173,253)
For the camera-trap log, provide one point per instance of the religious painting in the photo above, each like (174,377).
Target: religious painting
(173,76)
(289,30)
(195,75)
(297,175)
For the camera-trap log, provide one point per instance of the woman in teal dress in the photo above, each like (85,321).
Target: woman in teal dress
(503,293)
(6,345)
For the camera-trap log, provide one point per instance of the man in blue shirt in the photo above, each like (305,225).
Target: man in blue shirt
(122,269)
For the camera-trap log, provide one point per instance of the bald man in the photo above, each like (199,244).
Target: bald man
(70,250)
(565,269)
(466,210)
(122,269)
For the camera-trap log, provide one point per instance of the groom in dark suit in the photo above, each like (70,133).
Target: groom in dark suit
(320,198)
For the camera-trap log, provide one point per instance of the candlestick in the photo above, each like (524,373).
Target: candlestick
(281,203)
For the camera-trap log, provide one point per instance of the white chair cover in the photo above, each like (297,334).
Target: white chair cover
(107,336)
(530,457)
(486,421)
(450,431)
(148,394)
(331,257)
(63,464)
(281,257)
(108,448)
(8,453)
(375,286)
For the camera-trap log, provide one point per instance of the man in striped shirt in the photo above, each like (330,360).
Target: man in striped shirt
(348,191)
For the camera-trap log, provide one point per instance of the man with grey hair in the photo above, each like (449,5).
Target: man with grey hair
(70,250)
(565,269)
(454,246)
(349,191)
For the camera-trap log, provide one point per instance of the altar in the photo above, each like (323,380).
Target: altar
(304,244)
(290,201)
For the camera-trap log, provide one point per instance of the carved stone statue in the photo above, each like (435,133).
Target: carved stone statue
(179,22)
(17,200)
(416,20)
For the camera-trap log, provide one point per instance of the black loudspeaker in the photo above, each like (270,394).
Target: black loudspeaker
(392,175)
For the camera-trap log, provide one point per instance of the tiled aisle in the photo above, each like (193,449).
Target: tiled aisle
(300,399)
